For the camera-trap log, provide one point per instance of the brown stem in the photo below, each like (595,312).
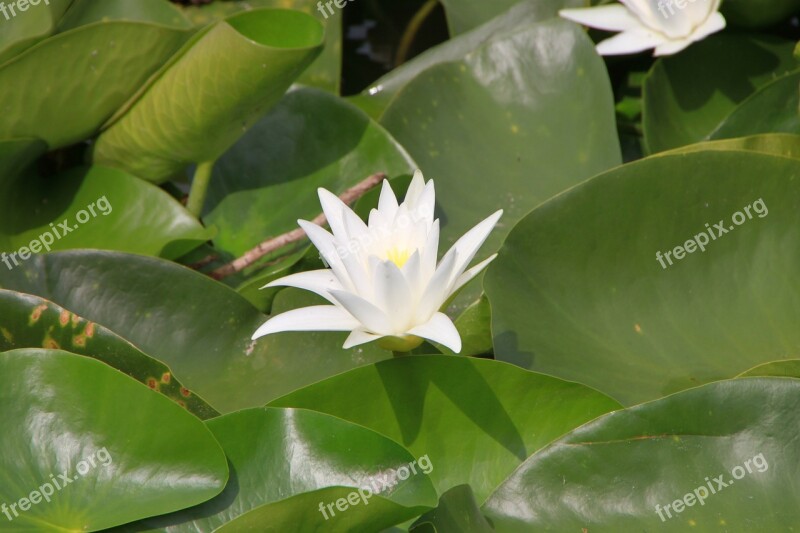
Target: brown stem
(270,245)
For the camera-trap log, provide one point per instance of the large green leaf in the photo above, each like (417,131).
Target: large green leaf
(277,454)
(773,108)
(225,79)
(81,77)
(476,419)
(578,291)
(508,134)
(128,452)
(161,12)
(332,145)
(688,95)
(22,29)
(102,208)
(200,328)
(33,322)
(16,156)
(457,511)
(780,144)
(325,72)
(619,472)
(465,15)
(758,13)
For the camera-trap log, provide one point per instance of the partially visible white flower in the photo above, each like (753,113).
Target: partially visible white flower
(384,281)
(669,26)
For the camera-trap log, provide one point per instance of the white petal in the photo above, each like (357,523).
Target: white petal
(439,329)
(430,254)
(336,212)
(615,17)
(414,189)
(366,312)
(716,22)
(326,245)
(469,244)
(317,281)
(314,318)
(387,204)
(358,337)
(467,276)
(438,287)
(630,42)
(411,273)
(393,294)
(672,47)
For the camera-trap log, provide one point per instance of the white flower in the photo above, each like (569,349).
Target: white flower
(669,26)
(384,281)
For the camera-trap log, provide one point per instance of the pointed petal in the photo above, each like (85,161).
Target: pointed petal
(438,288)
(326,245)
(314,318)
(469,244)
(669,48)
(430,254)
(336,212)
(467,276)
(317,281)
(439,329)
(414,189)
(630,42)
(365,312)
(716,22)
(358,337)
(615,17)
(393,294)
(387,204)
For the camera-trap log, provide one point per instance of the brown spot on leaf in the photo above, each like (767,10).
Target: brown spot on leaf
(37,313)
(152,383)
(89,331)
(166,377)
(185,392)
(79,340)
(63,318)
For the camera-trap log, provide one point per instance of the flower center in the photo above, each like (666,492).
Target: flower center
(398,256)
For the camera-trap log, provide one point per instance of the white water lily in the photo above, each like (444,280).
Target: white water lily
(384,281)
(669,26)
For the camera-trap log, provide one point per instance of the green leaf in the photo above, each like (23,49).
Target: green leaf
(333,145)
(780,144)
(758,13)
(20,30)
(771,109)
(578,291)
(32,322)
(277,454)
(688,95)
(102,208)
(457,511)
(200,328)
(476,419)
(325,72)
(508,134)
(465,15)
(130,453)
(618,472)
(158,12)
(787,368)
(16,156)
(78,90)
(225,78)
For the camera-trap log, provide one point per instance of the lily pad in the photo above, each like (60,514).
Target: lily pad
(101,463)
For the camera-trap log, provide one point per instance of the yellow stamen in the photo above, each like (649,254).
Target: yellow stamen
(398,256)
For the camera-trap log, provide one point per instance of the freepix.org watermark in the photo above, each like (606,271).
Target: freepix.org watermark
(664,5)
(57,232)
(376,485)
(99,458)
(712,233)
(712,486)
(19,6)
